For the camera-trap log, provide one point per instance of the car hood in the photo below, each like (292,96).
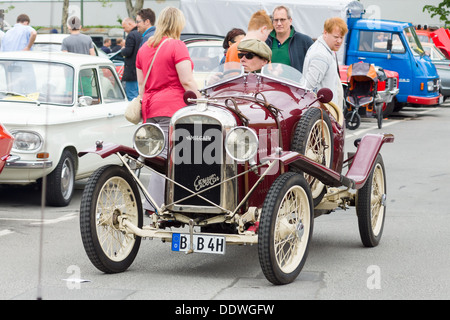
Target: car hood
(441,39)
(30,114)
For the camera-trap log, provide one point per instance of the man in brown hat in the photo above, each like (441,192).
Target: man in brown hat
(254,54)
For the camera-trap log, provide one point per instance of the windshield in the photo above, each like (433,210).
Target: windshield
(413,41)
(223,73)
(33,81)
(283,73)
(275,71)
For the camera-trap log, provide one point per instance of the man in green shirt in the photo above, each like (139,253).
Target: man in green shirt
(288,46)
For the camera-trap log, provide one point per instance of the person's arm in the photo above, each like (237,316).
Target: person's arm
(128,50)
(92,51)
(31,41)
(316,72)
(140,80)
(186,76)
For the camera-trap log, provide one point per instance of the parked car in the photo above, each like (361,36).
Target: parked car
(442,65)
(205,50)
(253,161)
(440,37)
(52,42)
(55,104)
(6,142)
(206,56)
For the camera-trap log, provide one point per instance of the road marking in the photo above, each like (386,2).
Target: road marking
(5,232)
(385,124)
(362,131)
(57,220)
(46,221)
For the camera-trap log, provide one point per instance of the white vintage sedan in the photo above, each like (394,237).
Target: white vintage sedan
(56,104)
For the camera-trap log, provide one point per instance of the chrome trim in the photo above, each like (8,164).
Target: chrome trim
(228,190)
(14,162)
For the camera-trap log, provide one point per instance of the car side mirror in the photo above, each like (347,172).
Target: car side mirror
(389,45)
(325,95)
(85,101)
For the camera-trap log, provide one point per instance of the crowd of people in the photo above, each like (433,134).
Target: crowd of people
(267,39)
(161,85)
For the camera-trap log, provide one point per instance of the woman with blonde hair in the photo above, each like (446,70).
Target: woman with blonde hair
(171,75)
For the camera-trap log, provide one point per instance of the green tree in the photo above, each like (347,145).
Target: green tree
(442,10)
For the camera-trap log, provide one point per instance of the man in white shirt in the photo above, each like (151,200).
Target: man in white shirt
(20,37)
(321,69)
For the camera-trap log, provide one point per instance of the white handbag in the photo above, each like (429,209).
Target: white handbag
(133,113)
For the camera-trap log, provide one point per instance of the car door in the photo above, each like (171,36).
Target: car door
(372,47)
(100,112)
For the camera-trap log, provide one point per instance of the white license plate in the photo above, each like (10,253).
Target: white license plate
(441,99)
(202,243)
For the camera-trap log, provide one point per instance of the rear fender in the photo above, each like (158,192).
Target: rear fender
(356,177)
(365,157)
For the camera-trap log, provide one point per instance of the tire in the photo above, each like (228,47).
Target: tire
(352,120)
(389,109)
(370,205)
(286,228)
(398,105)
(109,193)
(61,181)
(307,141)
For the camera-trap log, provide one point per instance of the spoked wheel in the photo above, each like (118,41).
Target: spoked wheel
(352,120)
(313,138)
(109,194)
(371,205)
(286,228)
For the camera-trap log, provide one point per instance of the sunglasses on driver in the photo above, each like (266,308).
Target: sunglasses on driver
(247,55)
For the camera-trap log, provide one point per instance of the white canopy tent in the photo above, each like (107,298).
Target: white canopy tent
(219,16)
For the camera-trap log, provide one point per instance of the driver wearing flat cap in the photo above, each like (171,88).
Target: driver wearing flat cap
(254,54)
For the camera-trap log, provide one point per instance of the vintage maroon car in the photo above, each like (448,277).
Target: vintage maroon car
(6,142)
(253,161)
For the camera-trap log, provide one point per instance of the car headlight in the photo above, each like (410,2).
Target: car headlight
(430,85)
(241,144)
(149,140)
(26,141)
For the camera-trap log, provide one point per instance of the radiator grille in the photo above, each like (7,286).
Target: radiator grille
(197,162)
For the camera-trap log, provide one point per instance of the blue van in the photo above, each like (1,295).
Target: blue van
(394,45)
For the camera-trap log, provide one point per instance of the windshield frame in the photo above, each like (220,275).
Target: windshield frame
(413,41)
(290,76)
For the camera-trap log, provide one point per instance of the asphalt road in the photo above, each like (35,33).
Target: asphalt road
(41,248)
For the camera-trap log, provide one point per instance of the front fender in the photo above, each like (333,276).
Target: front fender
(106,149)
